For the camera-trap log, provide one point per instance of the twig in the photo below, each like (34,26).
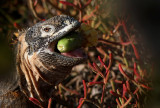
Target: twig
(59,9)
(32,9)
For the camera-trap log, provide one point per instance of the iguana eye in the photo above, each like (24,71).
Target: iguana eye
(47,30)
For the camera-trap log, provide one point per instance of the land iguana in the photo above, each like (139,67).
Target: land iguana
(39,65)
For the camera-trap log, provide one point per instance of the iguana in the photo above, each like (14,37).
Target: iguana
(39,65)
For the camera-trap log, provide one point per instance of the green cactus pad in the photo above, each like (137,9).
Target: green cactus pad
(70,42)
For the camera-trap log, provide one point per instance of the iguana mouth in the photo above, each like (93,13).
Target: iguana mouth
(76,53)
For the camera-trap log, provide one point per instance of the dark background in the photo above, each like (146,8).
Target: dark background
(146,15)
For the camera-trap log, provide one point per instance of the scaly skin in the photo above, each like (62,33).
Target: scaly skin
(39,67)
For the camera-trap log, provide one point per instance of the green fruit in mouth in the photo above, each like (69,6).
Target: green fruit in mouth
(70,42)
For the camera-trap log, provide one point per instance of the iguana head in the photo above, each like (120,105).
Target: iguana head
(39,64)
(42,38)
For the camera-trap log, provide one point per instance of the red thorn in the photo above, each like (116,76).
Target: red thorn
(80,105)
(115,94)
(123,73)
(43,19)
(49,102)
(93,83)
(80,100)
(69,4)
(128,85)
(102,63)
(85,89)
(35,2)
(144,86)
(98,70)
(135,51)
(135,71)
(124,90)
(16,25)
(35,101)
